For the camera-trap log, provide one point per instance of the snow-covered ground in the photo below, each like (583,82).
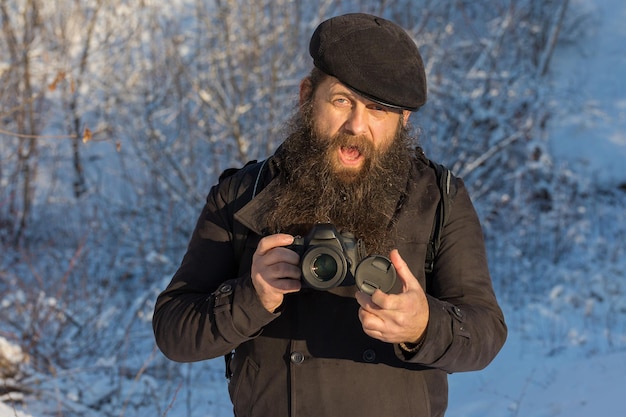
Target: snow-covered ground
(6,411)
(527,379)
(529,383)
(591,76)
(551,365)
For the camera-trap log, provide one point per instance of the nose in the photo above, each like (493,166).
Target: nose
(356,123)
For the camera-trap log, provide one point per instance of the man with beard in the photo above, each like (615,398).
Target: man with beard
(348,160)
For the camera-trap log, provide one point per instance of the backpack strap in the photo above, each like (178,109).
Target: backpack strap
(237,200)
(240,233)
(446,183)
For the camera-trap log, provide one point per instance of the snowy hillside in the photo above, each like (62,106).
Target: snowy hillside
(580,376)
(591,130)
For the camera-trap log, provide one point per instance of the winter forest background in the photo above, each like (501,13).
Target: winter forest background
(116,117)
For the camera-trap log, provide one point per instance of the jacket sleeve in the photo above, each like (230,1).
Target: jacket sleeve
(466,328)
(207,310)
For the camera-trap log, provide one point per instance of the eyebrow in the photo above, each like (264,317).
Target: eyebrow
(340,88)
(349,92)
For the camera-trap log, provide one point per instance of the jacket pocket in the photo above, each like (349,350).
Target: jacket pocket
(242,387)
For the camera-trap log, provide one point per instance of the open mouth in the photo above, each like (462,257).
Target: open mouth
(350,155)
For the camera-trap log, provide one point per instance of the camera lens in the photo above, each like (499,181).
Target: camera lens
(324,267)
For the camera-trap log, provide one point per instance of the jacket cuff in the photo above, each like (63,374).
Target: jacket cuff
(437,338)
(242,313)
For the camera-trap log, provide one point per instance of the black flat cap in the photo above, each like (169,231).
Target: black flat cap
(374,57)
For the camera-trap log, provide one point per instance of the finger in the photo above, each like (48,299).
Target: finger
(280,255)
(377,301)
(282,270)
(269,255)
(287,285)
(289,255)
(273,241)
(366,302)
(384,301)
(369,321)
(395,302)
(362,298)
(373,325)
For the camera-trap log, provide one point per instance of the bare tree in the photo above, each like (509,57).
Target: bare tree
(22,102)
(117,116)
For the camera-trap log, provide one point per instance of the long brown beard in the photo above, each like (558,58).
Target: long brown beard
(315,192)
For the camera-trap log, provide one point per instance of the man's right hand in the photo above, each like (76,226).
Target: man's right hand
(275,270)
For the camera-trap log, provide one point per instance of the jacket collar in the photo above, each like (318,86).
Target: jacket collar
(252,215)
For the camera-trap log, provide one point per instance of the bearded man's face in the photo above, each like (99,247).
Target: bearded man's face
(359,129)
(346,162)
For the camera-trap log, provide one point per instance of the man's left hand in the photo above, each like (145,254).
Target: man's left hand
(395,318)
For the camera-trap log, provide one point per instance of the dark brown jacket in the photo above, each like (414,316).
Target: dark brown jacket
(312,359)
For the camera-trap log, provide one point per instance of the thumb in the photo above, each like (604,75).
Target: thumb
(404,273)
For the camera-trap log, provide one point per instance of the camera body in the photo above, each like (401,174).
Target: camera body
(329,259)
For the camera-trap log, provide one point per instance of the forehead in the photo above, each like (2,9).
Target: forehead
(332,85)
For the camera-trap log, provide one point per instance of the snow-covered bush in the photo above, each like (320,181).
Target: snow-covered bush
(116,117)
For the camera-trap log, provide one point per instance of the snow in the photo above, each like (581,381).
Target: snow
(6,411)
(525,380)
(592,128)
(10,352)
(522,384)
(560,358)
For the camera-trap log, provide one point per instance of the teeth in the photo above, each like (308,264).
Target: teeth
(351,153)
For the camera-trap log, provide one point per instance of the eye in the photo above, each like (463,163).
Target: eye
(378,110)
(342,101)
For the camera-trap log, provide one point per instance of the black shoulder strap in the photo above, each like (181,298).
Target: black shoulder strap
(447,188)
(237,199)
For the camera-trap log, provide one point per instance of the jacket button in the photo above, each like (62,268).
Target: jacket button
(369,356)
(226,288)
(296,357)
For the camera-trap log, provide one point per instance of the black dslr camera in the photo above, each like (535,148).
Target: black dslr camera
(329,259)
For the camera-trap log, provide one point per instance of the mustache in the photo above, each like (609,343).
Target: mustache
(360,143)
